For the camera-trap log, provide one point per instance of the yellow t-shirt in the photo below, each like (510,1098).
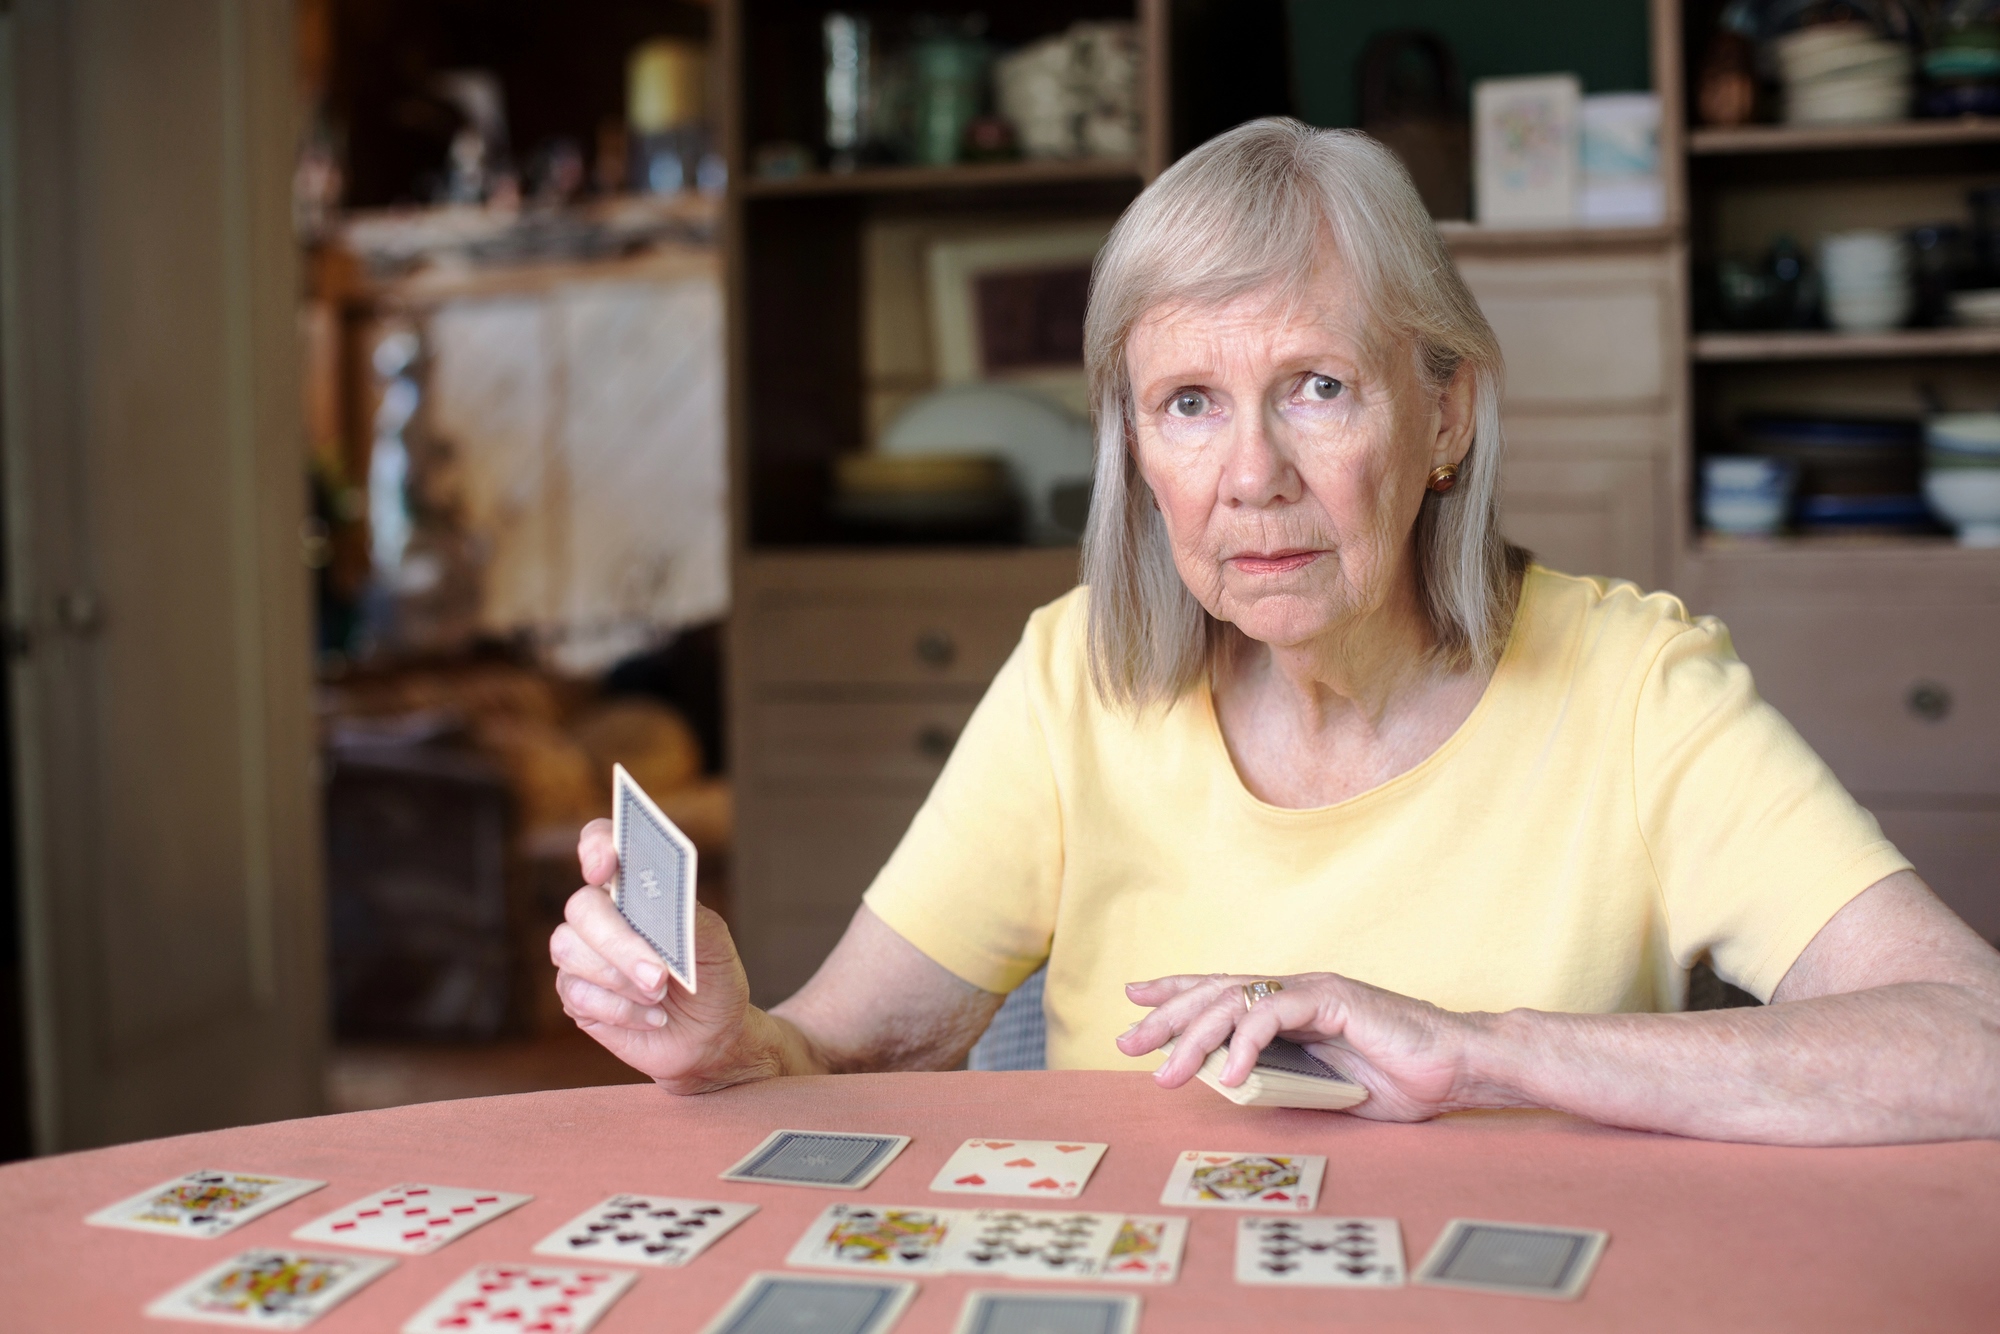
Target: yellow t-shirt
(1619,803)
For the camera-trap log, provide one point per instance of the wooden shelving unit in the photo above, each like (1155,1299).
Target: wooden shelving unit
(1844,138)
(1831,345)
(973,175)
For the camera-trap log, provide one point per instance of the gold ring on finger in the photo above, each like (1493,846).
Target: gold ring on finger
(1256,991)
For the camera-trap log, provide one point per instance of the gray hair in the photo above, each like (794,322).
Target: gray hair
(1247,210)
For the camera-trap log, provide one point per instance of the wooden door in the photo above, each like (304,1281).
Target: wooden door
(160,624)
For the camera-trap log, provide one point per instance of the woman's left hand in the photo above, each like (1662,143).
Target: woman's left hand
(1411,1056)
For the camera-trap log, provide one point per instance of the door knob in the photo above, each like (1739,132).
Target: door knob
(1928,700)
(935,649)
(79,612)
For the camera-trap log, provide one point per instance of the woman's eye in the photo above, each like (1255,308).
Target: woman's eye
(1323,388)
(1188,403)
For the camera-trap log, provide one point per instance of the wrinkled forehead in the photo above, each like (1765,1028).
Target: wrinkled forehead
(1277,316)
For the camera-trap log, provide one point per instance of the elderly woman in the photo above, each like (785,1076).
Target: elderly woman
(1312,720)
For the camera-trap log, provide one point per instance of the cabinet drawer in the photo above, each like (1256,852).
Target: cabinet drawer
(883,643)
(868,742)
(1899,700)
(1579,333)
(1957,852)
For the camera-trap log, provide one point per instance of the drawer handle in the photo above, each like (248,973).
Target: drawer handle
(934,742)
(935,649)
(1929,701)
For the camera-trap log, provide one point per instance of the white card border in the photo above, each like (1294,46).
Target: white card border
(1596,1241)
(905,1290)
(620,780)
(161,1307)
(562,1233)
(942,1185)
(1128,1302)
(902,1142)
(621,1283)
(1315,1180)
(105,1217)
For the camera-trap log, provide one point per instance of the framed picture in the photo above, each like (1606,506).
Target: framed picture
(1525,163)
(1008,306)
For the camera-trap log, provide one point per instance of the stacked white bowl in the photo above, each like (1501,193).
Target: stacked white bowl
(1843,74)
(1962,473)
(1867,277)
(1746,495)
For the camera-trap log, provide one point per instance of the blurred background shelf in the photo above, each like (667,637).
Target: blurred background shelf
(1843,138)
(1827,345)
(1470,237)
(892,180)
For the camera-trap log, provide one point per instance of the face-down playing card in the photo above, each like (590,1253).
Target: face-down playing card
(1279,1183)
(522,1299)
(819,1304)
(1518,1258)
(270,1289)
(410,1218)
(203,1204)
(832,1159)
(1035,1168)
(655,884)
(645,1230)
(1320,1252)
(1047,1313)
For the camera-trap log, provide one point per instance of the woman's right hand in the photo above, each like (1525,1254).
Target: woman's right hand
(619,992)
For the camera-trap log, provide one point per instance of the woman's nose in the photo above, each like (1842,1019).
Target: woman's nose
(1258,470)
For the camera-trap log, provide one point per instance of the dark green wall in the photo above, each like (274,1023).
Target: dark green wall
(1602,41)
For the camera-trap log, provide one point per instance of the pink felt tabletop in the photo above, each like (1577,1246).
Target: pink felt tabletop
(1703,1236)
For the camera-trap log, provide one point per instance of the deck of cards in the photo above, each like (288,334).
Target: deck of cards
(1286,1075)
(654,887)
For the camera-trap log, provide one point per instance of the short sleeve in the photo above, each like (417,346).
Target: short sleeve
(975,881)
(1755,842)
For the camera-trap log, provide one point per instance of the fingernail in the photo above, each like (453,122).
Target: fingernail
(657,1017)
(1129,1031)
(650,976)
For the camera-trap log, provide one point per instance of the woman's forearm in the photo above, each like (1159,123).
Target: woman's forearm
(1914,1061)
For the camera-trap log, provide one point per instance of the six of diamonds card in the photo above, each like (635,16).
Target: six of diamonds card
(410,1219)
(268,1289)
(522,1299)
(1280,1183)
(203,1204)
(1049,1168)
(645,1230)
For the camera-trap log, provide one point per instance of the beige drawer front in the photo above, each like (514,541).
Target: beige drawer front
(882,643)
(1899,700)
(900,742)
(801,863)
(1585,516)
(1957,852)
(1583,333)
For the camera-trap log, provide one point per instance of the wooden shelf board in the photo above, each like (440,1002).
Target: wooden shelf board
(1818,345)
(1471,237)
(1838,138)
(897,180)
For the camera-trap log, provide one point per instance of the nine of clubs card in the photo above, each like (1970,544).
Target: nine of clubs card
(645,1230)
(410,1219)
(1047,1313)
(1036,1168)
(816,1304)
(831,1159)
(654,887)
(518,1299)
(270,1289)
(1521,1259)
(1320,1252)
(1278,1183)
(204,1204)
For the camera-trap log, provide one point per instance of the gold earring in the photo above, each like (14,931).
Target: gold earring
(1443,477)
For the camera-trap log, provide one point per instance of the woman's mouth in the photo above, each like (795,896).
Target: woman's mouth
(1273,562)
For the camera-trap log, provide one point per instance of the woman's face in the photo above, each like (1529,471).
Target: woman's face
(1288,450)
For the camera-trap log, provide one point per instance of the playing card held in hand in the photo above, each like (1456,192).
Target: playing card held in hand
(654,887)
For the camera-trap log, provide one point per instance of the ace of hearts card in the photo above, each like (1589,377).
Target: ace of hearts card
(1034,1168)
(410,1218)
(1275,1182)
(203,1204)
(519,1299)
